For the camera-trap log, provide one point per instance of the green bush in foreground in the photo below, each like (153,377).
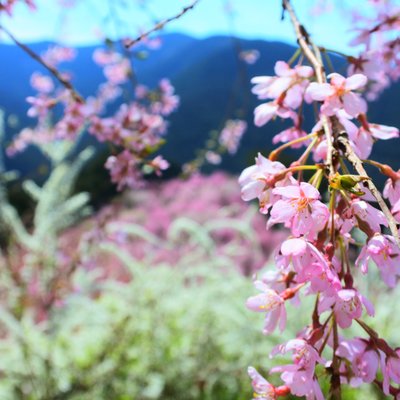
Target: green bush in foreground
(170,333)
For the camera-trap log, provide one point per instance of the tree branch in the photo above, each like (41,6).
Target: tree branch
(349,153)
(65,82)
(160,25)
(314,57)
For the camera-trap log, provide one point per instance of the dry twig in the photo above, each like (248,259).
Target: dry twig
(65,82)
(160,25)
(314,57)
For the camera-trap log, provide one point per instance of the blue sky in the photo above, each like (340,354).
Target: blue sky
(259,19)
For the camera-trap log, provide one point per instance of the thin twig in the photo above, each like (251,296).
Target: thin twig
(65,82)
(160,25)
(117,24)
(314,57)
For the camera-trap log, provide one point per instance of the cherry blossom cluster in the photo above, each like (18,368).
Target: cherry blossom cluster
(232,134)
(219,143)
(378,35)
(135,130)
(313,260)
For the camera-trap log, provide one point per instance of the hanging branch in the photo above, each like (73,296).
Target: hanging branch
(312,53)
(314,57)
(65,82)
(160,25)
(349,153)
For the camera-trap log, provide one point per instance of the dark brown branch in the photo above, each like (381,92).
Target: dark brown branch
(160,25)
(335,390)
(65,82)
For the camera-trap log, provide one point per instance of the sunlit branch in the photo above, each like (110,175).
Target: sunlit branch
(314,57)
(313,54)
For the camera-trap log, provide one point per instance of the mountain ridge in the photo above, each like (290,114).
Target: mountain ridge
(205,73)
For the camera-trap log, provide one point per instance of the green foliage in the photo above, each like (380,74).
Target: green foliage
(169,333)
(179,332)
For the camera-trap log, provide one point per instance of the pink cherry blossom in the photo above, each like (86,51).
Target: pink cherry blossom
(347,305)
(393,367)
(213,158)
(384,252)
(263,390)
(256,180)
(392,190)
(40,106)
(379,61)
(164,101)
(285,82)
(338,94)
(141,91)
(124,170)
(287,135)
(266,111)
(320,150)
(271,303)
(58,54)
(368,63)
(287,88)
(310,259)
(27,137)
(275,280)
(104,57)
(42,83)
(299,209)
(391,370)
(73,121)
(362,138)
(299,376)
(383,132)
(118,72)
(159,164)
(364,360)
(363,213)
(396,211)
(309,265)
(231,134)
(305,356)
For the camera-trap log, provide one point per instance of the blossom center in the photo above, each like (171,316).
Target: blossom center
(301,203)
(270,303)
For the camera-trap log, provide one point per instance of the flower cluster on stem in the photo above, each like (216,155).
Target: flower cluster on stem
(134,131)
(313,260)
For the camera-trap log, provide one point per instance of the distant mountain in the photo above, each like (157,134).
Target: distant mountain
(210,82)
